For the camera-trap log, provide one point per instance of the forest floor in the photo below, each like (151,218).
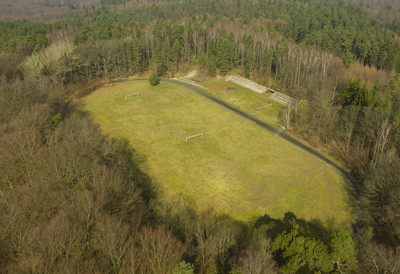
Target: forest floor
(237,167)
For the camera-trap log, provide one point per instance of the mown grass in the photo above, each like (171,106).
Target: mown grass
(258,105)
(237,167)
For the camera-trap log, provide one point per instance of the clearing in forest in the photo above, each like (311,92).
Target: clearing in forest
(258,105)
(236,167)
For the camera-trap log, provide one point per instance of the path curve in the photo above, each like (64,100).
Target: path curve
(260,123)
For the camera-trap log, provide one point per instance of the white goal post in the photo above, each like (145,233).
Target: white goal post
(133,94)
(194,136)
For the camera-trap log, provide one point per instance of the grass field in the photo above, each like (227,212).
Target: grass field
(237,167)
(258,105)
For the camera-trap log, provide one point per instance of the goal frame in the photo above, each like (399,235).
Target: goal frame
(194,136)
(133,94)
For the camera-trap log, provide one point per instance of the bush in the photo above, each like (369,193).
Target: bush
(184,268)
(154,81)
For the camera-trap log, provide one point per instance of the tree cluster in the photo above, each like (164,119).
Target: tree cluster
(72,199)
(75,200)
(340,28)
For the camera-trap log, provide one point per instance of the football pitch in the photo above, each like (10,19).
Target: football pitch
(235,166)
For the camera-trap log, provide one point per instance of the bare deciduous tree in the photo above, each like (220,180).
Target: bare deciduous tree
(53,64)
(113,238)
(160,250)
(382,139)
(349,122)
(214,237)
(381,259)
(257,259)
(380,198)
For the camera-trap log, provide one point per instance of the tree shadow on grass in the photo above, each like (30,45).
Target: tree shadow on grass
(120,154)
(132,163)
(274,227)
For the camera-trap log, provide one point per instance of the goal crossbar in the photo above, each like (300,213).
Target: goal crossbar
(133,94)
(194,136)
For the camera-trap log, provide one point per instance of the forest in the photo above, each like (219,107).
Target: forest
(386,10)
(75,200)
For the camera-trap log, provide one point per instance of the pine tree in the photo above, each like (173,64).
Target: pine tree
(343,251)
(347,58)
(154,81)
(357,93)
(396,125)
(302,253)
(137,57)
(183,268)
(212,67)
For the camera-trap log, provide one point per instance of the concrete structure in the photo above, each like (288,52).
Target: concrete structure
(276,96)
(246,83)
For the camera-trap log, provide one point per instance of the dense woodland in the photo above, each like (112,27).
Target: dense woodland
(386,10)
(73,200)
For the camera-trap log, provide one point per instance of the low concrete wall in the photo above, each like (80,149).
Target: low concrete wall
(276,96)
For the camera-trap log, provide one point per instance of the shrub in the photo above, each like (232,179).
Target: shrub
(154,81)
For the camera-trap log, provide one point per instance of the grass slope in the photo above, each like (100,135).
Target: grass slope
(258,105)
(238,168)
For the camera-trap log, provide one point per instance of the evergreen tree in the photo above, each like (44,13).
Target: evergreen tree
(183,268)
(343,251)
(137,57)
(212,67)
(357,93)
(203,63)
(347,58)
(396,125)
(154,80)
(302,254)
(225,53)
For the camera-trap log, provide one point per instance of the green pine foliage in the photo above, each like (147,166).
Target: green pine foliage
(24,36)
(154,80)
(340,28)
(357,93)
(184,268)
(212,67)
(396,125)
(261,37)
(300,254)
(343,251)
